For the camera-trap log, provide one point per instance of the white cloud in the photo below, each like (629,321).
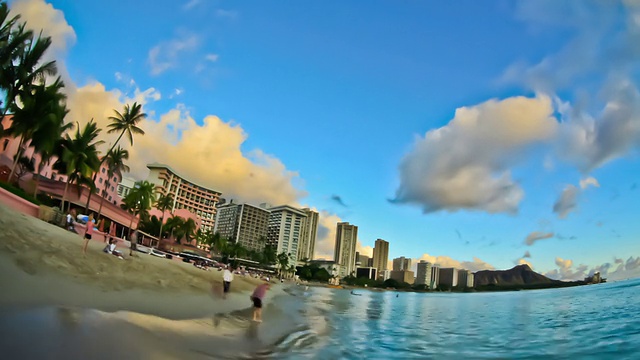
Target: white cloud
(567,202)
(212,57)
(167,55)
(589,181)
(527,254)
(524,262)
(191,4)
(536,236)
(229,14)
(465,164)
(42,16)
(476,264)
(619,269)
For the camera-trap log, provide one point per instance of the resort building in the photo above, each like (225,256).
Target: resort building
(125,186)
(363,260)
(403,276)
(9,145)
(307,245)
(423,273)
(384,275)
(449,277)
(186,194)
(243,223)
(435,276)
(366,272)
(345,250)
(285,229)
(465,278)
(381,255)
(401,263)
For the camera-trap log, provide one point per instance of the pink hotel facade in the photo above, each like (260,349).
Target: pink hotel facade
(9,147)
(197,199)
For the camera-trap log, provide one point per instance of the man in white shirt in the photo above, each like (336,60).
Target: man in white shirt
(227,278)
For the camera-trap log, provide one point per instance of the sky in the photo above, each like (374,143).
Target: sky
(479,135)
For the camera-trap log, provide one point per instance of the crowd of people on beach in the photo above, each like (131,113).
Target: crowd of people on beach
(256,297)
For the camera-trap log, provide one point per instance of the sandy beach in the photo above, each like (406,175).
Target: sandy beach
(46,279)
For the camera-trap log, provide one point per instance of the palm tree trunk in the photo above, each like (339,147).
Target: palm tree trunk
(64,195)
(131,224)
(16,159)
(95,175)
(161,225)
(35,191)
(102,201)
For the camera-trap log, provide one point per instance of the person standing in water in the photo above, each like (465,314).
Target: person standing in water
(227,278)
(87,234)
(257,297)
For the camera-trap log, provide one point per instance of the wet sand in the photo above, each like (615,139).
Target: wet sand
(57,303)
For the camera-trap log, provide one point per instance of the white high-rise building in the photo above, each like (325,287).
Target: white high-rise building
(465,278)
(381,256)
(423,274)
(307,245)
(345,251)
(435,276)
(286,225)
(243,223)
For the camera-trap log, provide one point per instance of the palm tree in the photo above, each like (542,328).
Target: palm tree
(20,57)
(78,156)
(218,242)
(174,225)
(164,203)
(283,262)
(189,229)
(126,122)
(269,255)
(139,200)
(49,107)
(115,165)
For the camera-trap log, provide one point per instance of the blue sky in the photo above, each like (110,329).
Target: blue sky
(386,106)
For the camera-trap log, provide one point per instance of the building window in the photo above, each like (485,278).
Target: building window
(100,180)
(109,198)
(103,170)
(6,143)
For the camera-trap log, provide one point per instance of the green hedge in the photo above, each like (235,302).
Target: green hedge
(19,192)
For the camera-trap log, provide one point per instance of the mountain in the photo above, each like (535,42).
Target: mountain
(519,275)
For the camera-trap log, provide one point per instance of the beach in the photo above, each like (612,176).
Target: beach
(47,283)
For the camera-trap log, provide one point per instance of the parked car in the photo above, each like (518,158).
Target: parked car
(158,253)
(143,249)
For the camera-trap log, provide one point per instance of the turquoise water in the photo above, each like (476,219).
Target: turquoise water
(587,322)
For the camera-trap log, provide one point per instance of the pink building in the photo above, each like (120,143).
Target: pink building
(9,148)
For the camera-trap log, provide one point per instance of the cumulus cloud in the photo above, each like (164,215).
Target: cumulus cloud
(211,57)
(476,264)
(605,51)
(536,236)
(619,269)
(522,261)
(167,54)
(589,181)
(466,164)
(567,201)
(42,16)
(208,152)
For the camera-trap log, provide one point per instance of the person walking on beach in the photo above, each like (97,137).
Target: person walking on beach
(257,296)
(227,278)
(87,234)
(134,242)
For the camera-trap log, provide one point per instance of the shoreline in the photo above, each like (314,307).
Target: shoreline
(49,284)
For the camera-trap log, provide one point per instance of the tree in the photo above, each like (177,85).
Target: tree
(269,256)
(139,200)
(78,157)
(151,225)
(49,106)
(124,123)
(174,225)
(283,260)
(115,165)
(164,203)
(24,166)
(20,58)
(189,229)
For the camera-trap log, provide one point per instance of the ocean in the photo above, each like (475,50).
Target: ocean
(587,322)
